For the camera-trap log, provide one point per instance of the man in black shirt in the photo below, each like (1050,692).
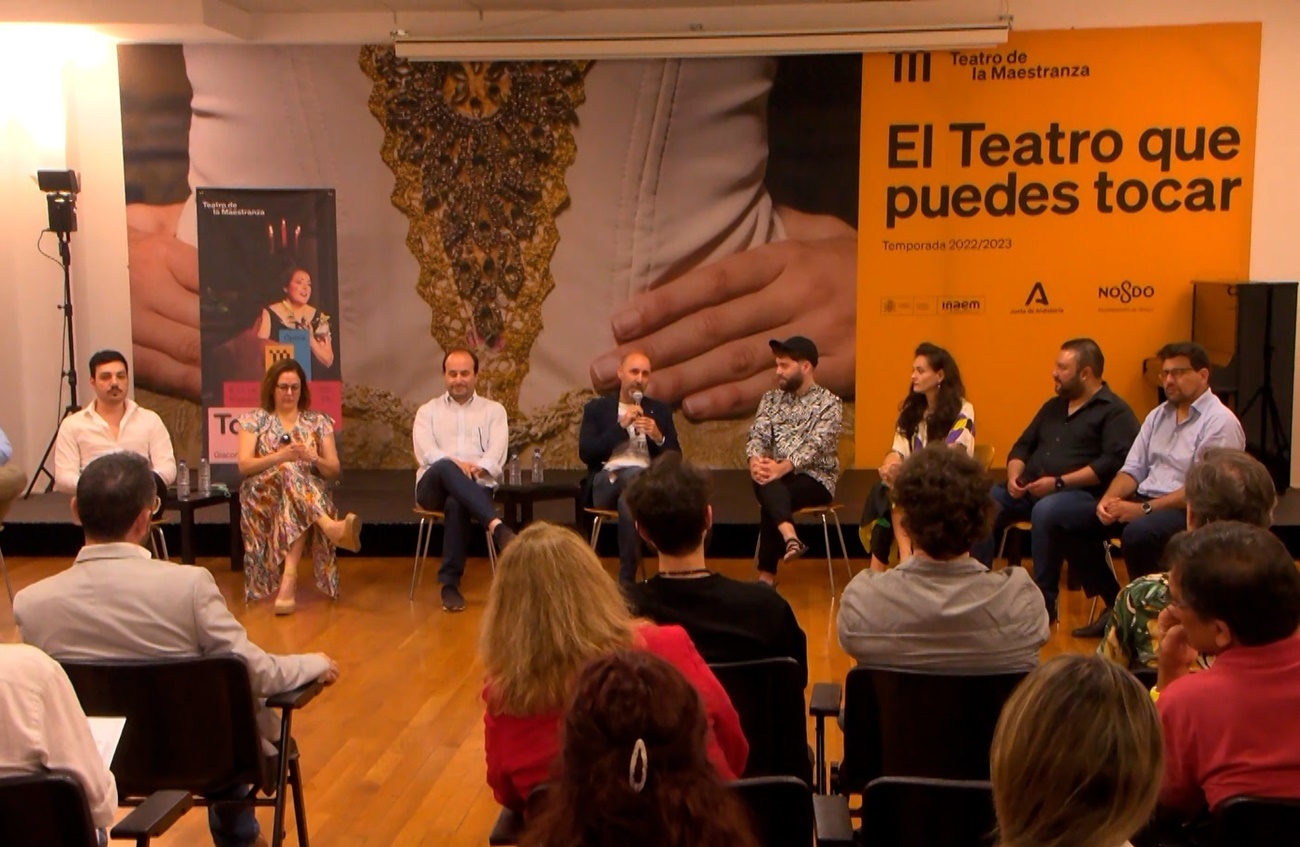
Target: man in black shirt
(729,620)
(1061,464)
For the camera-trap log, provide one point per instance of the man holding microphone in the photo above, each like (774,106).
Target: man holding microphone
(621,433)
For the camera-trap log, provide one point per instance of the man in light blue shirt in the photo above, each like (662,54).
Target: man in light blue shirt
(12,478)
(1144,505)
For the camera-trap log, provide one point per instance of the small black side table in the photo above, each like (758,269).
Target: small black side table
(187,507)
(518,500)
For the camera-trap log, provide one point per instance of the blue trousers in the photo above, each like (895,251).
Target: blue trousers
(607,489)
(1058,521)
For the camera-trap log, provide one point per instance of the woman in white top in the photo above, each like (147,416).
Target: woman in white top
(1077,757)
(935,409)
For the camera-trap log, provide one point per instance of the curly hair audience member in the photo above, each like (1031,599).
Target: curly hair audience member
(634,769)
(940,610)
(1076,757)
(551,609)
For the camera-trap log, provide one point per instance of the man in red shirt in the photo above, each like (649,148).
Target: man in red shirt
(1230,729)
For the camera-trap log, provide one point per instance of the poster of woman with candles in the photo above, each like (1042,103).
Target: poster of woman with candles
(268,288)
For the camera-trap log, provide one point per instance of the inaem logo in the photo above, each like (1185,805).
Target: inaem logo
(908,67)
(1037,295)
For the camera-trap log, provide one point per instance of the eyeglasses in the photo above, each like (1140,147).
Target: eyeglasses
(288,388)
(1174,372)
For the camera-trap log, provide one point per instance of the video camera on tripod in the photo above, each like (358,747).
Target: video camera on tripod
(61,189)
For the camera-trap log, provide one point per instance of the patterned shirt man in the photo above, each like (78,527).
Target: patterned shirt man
(1132,636)
(803,429)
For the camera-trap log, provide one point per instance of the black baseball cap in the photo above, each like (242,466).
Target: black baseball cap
(796,347)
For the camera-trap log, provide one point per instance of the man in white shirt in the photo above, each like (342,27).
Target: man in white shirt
(42,728)
(460,443)
(116,602)
(12,478)
(111,422)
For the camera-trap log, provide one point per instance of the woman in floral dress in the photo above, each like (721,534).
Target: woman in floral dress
(288,458)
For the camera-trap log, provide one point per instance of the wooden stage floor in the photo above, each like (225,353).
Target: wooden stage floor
(393,753)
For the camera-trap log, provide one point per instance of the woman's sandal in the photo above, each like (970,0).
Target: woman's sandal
(794,548)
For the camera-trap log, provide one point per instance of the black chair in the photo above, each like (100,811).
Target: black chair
(768,696)
(1246,821)
(918,812)
(49,809)
(1146,676)
(781,809)
(191,725)
(901,723)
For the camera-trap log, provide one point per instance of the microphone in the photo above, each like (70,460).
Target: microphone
(637,397)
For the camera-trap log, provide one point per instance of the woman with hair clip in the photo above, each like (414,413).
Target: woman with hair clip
(634,769)
(935,410)
(1077,757)
(551,609)
(287,457)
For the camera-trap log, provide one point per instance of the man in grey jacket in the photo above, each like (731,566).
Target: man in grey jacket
(116,602)
(941,611)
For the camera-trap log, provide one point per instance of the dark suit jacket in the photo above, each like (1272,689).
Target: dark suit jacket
(601,435)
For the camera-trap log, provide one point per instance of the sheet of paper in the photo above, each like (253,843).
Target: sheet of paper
(106,732)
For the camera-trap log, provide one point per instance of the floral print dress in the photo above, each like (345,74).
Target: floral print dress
(282,502)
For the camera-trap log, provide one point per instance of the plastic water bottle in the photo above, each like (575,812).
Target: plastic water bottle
(512,470)
(537,465)
(182,480)
(205,478)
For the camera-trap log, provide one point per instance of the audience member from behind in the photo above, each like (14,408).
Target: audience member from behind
(552,608)
(1076,757)
(729,620)
(1225,485)
(941,611)
(1230,729)
(116,602)
(42,728)
(634,769)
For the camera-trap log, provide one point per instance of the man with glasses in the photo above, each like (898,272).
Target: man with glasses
(1145,505)
(460,443)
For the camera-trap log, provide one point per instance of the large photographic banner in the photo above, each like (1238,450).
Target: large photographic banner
(268,281)
(1067,184)
(550,216)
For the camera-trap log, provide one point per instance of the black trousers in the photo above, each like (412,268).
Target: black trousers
(445,488)
(778,501)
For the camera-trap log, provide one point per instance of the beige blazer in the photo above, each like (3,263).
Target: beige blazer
(117,602)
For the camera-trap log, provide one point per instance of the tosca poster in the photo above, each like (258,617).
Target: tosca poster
(1067,184)
(268,282)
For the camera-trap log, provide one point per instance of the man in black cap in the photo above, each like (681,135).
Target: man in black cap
(792,451)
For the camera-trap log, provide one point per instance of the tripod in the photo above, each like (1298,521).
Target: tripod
(65,258)
(1269,413)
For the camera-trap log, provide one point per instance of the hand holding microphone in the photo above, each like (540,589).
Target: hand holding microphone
(633,412)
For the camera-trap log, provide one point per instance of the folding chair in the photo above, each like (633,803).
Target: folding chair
(49,809)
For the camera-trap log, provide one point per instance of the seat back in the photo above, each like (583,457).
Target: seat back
(45,810)
(901,723)
(780,808)
(918,812)
(1246,821)
(768,696)
(984,454)
(190,723)
(1146,676)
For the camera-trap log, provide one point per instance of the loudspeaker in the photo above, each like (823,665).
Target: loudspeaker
(1249,330)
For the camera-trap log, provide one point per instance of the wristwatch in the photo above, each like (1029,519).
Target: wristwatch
(1060,483)
(1146,507)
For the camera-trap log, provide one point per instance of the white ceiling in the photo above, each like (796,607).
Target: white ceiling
(369,21)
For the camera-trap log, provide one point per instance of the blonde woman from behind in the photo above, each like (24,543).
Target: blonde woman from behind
(553,608)
(1077,757)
